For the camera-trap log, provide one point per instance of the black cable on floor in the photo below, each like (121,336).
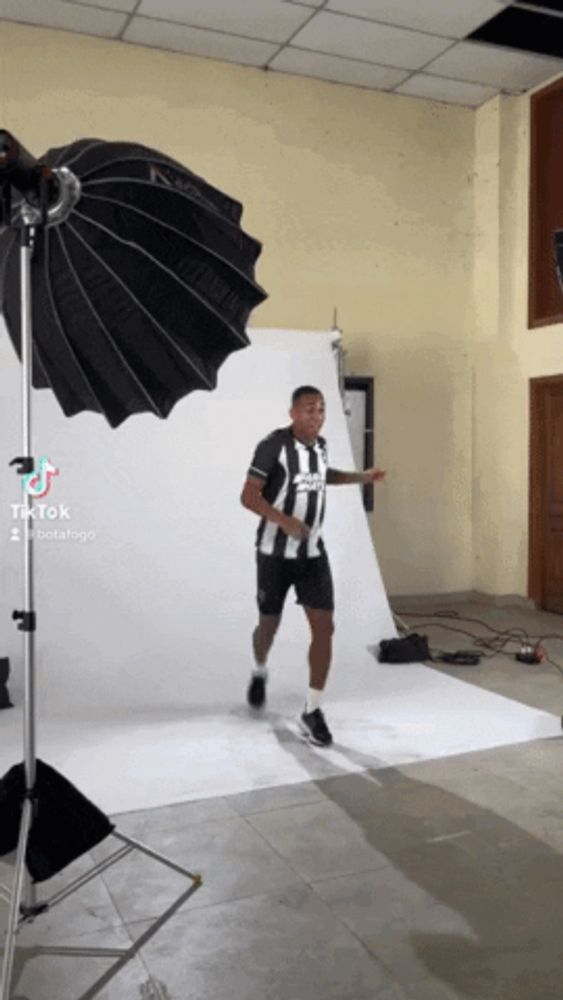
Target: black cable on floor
(479,621)
(494,645)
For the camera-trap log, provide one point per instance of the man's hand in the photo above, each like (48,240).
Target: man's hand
(295,528)
(373,475)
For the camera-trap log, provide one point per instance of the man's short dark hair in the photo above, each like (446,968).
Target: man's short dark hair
(305,390)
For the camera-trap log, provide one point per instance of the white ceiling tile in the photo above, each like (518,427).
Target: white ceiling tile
(452,18)
(58,14)
(194,41)
(271,20)
(495,66)
(377,43)
(437,88)
(125,5)
(358,74)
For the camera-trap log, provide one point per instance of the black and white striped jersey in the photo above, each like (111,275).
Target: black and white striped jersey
(295,482)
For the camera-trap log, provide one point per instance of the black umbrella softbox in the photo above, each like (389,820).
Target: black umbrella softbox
(143,287)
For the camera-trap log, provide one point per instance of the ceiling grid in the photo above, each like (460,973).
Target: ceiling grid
(457,51)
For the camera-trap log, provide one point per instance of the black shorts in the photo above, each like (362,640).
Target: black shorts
(311,578)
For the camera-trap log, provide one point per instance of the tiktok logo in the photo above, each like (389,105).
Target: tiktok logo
(38,483)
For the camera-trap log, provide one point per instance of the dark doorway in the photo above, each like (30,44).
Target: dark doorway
(546,493)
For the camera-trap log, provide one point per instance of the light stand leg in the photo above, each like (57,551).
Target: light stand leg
(16,898)
(18,916)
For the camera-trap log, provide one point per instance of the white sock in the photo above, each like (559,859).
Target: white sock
(260,670)
(314,699)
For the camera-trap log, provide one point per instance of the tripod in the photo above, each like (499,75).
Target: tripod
(21,896)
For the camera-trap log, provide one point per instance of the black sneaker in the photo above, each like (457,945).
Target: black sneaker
(314,727)
(256,694)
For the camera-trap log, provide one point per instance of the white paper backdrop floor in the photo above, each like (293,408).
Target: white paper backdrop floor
(144,630)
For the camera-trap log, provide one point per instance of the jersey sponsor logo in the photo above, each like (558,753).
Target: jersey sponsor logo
(309,482)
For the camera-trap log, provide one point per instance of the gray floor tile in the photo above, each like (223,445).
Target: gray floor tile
(175,817)
(85,911)
(533,767)
(232,858)
(318,840)
(543,826)
(54,977)
(525,861)
(265,799)
(477,786)
(286,946)
(431,989)
(442,916)
(407,810)
(383,908)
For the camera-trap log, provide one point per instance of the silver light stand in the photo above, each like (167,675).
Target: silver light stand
(339,355)
(30,218)
(27,626)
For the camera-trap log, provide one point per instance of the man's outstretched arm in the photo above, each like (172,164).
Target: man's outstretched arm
(335,477)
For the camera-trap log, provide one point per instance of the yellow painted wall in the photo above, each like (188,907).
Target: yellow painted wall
(507,354)
(363,201)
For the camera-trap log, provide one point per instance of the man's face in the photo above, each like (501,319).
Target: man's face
(308,416)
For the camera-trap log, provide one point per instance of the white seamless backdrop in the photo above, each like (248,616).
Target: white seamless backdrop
(143,641)
(159,606)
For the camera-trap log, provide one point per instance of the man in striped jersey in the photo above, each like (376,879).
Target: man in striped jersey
(286,487)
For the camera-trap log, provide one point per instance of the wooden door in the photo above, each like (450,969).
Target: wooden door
(546,203)
(546,493)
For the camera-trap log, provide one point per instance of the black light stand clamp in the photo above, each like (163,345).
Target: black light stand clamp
(28,620)
(25,464)
(32,193)
(33,180)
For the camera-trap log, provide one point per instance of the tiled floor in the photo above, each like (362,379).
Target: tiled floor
(440,880)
